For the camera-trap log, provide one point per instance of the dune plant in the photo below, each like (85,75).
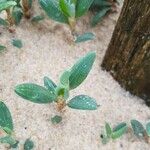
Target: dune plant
(69,80)
(6,5)
(113,133)
(136,126)
(66,11)
(15,10)
(6,126)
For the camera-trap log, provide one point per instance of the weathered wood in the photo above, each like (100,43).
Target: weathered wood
(128,55)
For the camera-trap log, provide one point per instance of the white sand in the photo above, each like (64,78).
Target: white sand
(48,51)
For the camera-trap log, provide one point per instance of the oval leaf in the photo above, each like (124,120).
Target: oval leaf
(37,18)
(35,93)
(49,84)
(56,119)
(108,130)
(5,117)
(52,9)
(7,4)
(82,7)
(81,69)
(148,128)
(85,37)
(28,145)
(98,17)
(138,128)
(83,102)
(119,130)
(17,15)
(17,43)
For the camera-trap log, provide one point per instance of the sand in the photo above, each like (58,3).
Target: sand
(47,51)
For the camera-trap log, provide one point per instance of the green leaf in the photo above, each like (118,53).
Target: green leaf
(138,128)
(17,43)
(3,22)
(28,145)
(37,18)
(35,93)
(49,84)
(9,140)
(5,117)
(81,69)
(108,130)
(7,130)
(82,7)
(13,146)
(7,4)
(64,79)
(119,130)
(99,4)
(56,119)
(2,48)
(67,7)
(85,37)
(62,91)
(52,9)
(98,17)
(17,15)
(83,102)
(148,128)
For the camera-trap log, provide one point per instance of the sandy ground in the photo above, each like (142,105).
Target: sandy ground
(47,50)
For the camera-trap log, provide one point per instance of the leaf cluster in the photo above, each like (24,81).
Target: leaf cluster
(65,11)
(69,80)
(14,9)
(118,131)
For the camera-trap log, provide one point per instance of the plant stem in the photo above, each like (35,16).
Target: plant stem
(60,104)
(26,9)
(72,24)
(9,17)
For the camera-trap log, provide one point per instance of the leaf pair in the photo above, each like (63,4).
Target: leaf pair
(114,133)
(70,79)
(65,11)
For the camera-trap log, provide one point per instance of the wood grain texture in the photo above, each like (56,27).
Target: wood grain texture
(128,55)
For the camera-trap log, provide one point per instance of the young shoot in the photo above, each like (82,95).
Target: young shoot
(59,94)
(66,11)
(114,133)
(6,126)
